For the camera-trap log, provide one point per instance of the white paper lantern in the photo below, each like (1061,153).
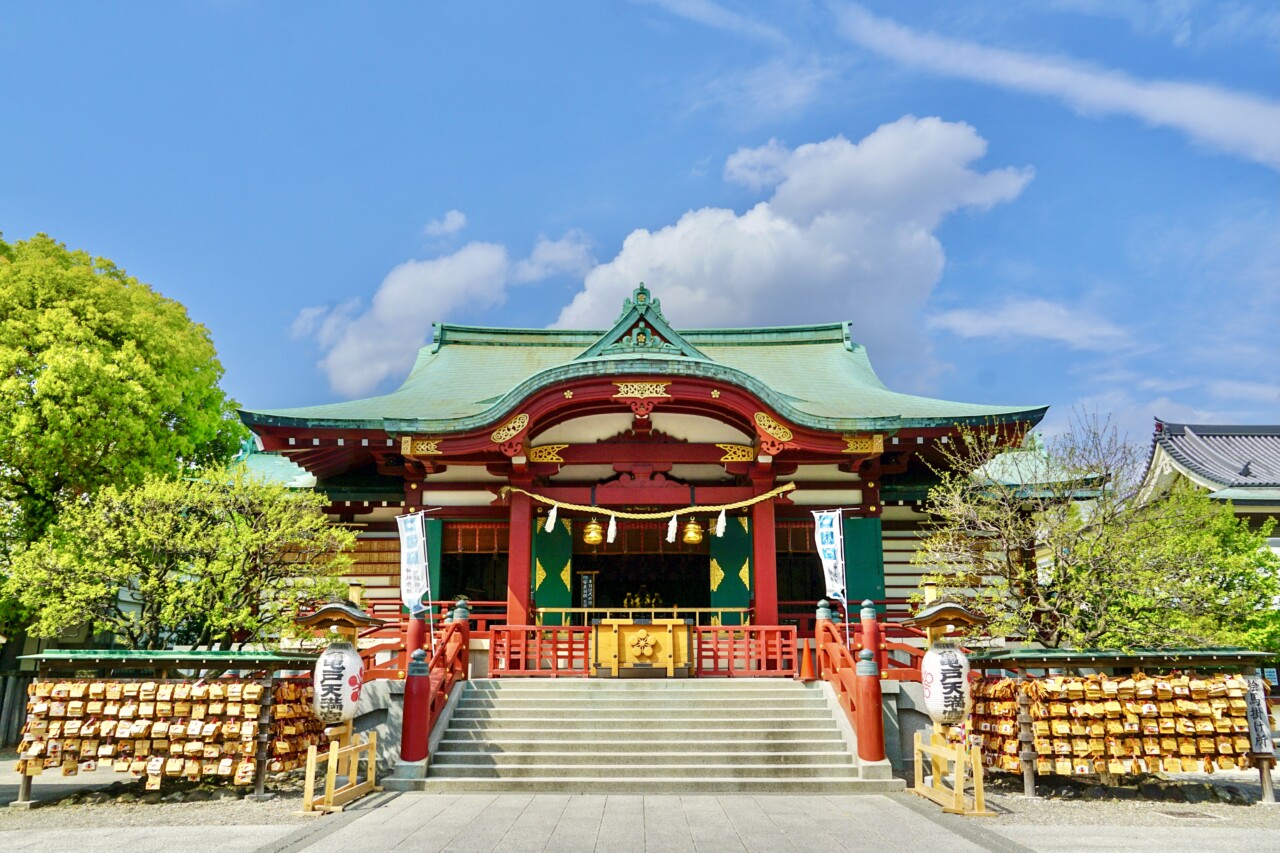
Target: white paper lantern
(339,678)
(944,674)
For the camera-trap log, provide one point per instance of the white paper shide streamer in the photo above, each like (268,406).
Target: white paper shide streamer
(671,528)
(551,519)
(720,523)
(613,530)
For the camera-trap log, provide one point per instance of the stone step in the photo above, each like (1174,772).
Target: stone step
(627,734)
(828,742)
(655,785)
(665,703)
(643,713)
(639,725)
(642,771)
(446,757)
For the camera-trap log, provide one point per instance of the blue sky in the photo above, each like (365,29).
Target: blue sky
(1074,203)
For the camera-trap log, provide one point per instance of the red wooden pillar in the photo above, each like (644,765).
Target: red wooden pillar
(519,558)
(764,548)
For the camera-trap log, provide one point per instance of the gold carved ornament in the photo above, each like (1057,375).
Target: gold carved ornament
(771,427)
(642,390)
(510,429)
(745,574)
(564,574)
(421,447)
(863,444)
(737,453)
(539,574)
(546,453)
(717,575)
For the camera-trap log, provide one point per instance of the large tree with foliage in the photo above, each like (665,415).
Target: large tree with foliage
(213,560)
(1059,545)
(102,381)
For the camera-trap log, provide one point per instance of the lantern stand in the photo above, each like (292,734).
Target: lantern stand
(347,620)
(937,620)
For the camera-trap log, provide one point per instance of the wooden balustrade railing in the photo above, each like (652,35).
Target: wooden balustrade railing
(529,650)
(428,686)
(857,695)
(745,650)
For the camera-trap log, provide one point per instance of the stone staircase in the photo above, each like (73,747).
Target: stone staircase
(760,735)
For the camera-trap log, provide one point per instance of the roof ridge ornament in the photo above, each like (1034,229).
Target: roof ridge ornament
(641,329)
(641,302)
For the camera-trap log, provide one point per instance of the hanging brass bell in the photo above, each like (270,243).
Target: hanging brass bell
(692,532)
(593,533)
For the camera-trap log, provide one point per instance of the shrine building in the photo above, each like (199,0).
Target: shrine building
(624,428)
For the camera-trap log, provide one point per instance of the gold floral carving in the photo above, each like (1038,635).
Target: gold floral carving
(737,453)
(642,390)
(745,574)
(539,575)
(717,575)
(564,574)
(410,446)
(771,427)
(742,519)
(510,429)
(546,453)
(863,444)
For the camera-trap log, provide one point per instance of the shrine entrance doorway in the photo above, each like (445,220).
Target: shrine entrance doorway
(627,581)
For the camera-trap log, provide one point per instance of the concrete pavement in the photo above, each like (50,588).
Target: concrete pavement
(733,823)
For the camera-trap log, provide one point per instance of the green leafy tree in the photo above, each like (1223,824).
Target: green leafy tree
(1058,545)
(218,560)
(102,381)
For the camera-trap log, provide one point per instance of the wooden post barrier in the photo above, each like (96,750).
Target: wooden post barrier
(334,797)
(966,771)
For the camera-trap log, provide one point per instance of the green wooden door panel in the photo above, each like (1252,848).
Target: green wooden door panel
(731,578)
(552,568)
(863,559)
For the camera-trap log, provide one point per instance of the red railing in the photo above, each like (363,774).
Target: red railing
(747,650)
(857,696)
(801,613)
(389,659)
(427,693)
(526,650)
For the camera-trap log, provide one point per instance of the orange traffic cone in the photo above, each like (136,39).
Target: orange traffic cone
(806,661)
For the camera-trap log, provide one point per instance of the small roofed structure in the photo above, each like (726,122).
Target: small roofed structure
(342,615)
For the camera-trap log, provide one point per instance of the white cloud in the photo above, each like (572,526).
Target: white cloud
(1033,318)
(1187,23)
(777,89)
(571,254)
(846,234)
(716,16)
(363,345)
(446,226)
(1261,393)
(1235,122)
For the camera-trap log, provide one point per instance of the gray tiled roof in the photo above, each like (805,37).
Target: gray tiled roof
(1230,456)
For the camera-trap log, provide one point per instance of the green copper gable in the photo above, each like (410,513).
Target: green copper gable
(642,330)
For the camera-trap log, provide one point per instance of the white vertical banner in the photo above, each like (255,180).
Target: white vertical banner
(415,580)
(828,535)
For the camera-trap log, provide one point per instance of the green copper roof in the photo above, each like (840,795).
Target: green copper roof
(471,377)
